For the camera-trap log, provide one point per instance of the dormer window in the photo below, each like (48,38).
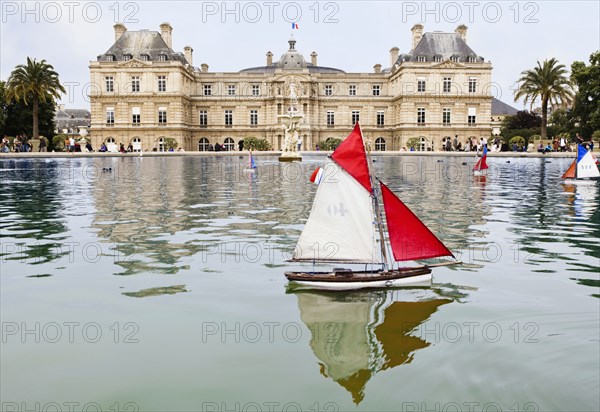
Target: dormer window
(162,57)
(455,58)
(421,59)
(144,57)
(471,59)
(437,58)
(110,58)
(127,57)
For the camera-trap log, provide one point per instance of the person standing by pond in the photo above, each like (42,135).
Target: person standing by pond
(42,144)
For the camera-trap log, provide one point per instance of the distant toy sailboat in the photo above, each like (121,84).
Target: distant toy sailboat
(481,164)
(583,167)
(251,165)
(346,226)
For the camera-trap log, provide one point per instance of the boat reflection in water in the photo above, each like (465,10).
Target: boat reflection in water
(581,197)
(357,334)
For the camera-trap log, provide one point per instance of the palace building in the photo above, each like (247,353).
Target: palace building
(145,92)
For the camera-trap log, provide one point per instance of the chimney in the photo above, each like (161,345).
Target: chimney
(187,51)
(269,58)
(204,67)
(313,58)
(394,51)
(166,32)
(462,32)
(417,33)
(377,68)
(119,30)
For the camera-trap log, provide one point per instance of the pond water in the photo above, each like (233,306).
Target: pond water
(157,284)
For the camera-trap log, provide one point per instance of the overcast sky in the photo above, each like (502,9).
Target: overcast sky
(350,35)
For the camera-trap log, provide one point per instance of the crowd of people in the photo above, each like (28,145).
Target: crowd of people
(561,144)
(470,145)
(22,143)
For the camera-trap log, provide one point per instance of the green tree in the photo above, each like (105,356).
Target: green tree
(171,143)
(413,143)
(548,83)
(36,82)
(586,107)
(561,122)
(3,105)
(522,120)
(519,140)
(17,119)
(252,143)
(330,143)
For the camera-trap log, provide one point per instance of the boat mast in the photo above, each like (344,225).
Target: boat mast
(376,207)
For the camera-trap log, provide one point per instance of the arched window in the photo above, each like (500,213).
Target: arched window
(136,142)
(161,144)
(229,144)
(380,144)
(109,140)
(203,144)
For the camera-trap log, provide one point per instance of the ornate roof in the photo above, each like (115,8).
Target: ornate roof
(143,42)
(291,60)
(441,46)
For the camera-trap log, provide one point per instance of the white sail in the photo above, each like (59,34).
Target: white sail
(586,167)
(340,226)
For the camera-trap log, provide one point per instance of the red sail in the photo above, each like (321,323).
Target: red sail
(570,173)
(409,237)
(351,156)
(482,163)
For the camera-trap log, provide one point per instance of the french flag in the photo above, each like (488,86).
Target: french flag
(316,176)
(295,26)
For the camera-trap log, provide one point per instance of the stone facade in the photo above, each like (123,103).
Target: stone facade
(144,92)
(71,121)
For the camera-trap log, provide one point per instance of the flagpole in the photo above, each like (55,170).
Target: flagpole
(375,202)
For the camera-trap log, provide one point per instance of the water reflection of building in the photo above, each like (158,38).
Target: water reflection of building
(137,203)
(444,194)
(159,211)
(356,335)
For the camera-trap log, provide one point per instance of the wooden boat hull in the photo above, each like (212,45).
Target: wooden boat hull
(405,277)
(584,180)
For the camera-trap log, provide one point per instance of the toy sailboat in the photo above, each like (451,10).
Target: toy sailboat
(251,165)
(583,167)
(481,165)
(346,226)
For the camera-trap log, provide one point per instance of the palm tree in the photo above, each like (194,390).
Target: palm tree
(35,81)
(547,82)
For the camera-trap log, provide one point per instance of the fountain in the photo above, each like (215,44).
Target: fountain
(291,125)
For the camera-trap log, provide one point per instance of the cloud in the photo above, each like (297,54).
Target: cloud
(352,36)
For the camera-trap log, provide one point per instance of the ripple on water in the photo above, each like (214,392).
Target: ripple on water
(160,230)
